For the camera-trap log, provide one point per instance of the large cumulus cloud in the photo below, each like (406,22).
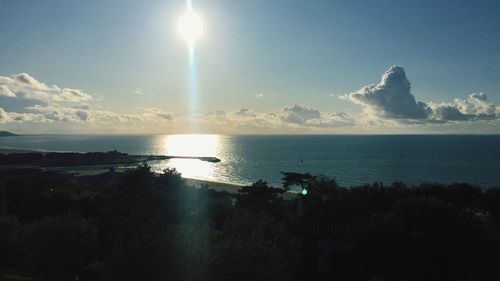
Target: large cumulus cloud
(392,98)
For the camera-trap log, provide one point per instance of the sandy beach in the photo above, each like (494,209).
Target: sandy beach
(218,186)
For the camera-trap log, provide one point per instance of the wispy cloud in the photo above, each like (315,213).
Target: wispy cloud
(142,92)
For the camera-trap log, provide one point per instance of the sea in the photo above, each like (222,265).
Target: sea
(351,160)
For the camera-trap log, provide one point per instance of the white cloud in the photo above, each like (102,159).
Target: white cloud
(295,118)
(5,91)
(25,87)
(298,114)
(142,92)
(4,116)
(72,95)
(332,120)
(391,98)
(388,105)
(25,99)
(245,112)
(8,117)
(259,96)
(475,107)
(155,114)
(54,113)
(138,91)
(24,80)
(216,113)
(309,117)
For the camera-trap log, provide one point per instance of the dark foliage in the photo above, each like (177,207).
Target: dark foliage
(141,226)
(259,195)
(65,158)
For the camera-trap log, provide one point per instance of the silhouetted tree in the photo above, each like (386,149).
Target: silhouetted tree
(139,225)
(58,248)
(259,195)
(291,179)
(253,246)
(10,230)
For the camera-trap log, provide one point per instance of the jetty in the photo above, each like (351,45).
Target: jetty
(202,158)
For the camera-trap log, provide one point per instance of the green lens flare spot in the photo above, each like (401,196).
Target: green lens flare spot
(304,191)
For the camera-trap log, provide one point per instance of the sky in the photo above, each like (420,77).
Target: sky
(261,67)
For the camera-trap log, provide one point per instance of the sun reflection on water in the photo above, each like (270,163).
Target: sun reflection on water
(189,145)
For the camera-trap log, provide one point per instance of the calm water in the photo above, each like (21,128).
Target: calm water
(351,160)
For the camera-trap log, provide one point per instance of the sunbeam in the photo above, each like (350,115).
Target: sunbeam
(190,28)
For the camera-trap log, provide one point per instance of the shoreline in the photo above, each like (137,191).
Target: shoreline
(197,183)
(93,170)
(217,186)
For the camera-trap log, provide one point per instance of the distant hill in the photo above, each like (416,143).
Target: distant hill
(6,134)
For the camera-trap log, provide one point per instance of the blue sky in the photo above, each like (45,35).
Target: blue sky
(258,55)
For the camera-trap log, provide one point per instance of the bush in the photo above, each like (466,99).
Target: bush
(9,232)
(253,246)
(57,248)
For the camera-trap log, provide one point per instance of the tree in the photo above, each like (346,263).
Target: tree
(9,240)
(259,195)
(57,248)
(291,179)
(253,246)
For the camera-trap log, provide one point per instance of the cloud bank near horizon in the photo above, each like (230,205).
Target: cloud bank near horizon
(25,101)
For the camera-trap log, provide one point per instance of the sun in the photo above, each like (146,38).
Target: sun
(190,26)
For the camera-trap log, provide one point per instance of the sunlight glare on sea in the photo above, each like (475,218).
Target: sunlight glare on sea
(198,145)
(351,160)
